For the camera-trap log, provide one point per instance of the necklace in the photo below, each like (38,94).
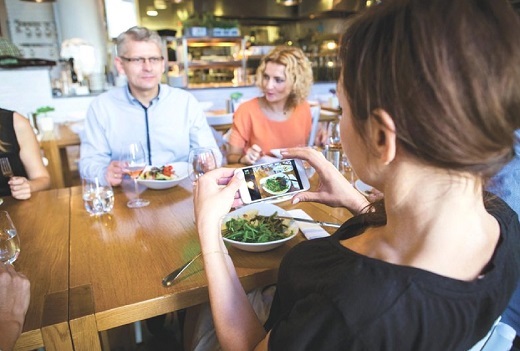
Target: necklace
(270,110)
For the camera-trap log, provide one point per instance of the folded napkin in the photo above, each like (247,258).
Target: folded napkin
(310,230)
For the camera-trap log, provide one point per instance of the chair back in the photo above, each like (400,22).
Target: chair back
(315,115)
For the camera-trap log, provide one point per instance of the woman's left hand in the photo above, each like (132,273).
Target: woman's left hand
(20,188)
(214,194)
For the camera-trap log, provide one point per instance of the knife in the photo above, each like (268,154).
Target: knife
(324,224)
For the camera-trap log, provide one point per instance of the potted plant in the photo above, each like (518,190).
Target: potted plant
(195,26)
(42,120)
(226,28)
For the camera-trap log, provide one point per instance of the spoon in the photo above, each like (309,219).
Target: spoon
(168,280)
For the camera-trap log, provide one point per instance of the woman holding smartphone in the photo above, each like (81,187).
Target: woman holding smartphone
(281,117)
(434,265)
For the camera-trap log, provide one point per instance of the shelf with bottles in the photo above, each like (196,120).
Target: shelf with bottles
(217,59)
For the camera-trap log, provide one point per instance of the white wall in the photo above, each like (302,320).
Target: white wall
(26,89)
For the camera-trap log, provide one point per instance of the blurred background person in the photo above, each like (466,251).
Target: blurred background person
(167,121)
(18,144)
(281,117)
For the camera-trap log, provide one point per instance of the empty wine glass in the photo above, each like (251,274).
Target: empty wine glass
(201,160)
(133,161)
(9,241)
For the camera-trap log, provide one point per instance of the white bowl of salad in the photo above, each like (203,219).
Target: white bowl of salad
(255,227)
(163,177)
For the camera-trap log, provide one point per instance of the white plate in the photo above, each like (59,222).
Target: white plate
(277,175)
(263,209)
(181,170)
(363,188)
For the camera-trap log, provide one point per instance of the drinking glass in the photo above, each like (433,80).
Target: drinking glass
(347,171)
(201,160)
(133,161)
(9,241)
(98,195)
(333,135)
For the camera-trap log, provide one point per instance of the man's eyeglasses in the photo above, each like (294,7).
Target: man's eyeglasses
(154,60)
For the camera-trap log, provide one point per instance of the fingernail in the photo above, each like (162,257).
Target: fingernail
(295,200)
(240,175)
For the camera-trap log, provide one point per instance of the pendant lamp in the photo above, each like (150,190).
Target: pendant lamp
(288,2)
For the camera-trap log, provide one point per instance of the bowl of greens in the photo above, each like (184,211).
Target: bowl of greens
(256,227)
(276,184)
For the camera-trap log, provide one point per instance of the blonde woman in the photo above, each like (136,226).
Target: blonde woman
(281,117)
(19,145)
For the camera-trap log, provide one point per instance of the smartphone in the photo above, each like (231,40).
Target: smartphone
(271,180)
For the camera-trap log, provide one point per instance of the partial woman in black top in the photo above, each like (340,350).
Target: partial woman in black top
(19,145)
(430,103)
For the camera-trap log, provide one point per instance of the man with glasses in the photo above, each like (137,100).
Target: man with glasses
(166,120)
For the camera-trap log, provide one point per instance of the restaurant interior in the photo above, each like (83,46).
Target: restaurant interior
(213,48)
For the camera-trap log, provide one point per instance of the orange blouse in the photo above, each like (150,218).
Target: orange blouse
(251,126)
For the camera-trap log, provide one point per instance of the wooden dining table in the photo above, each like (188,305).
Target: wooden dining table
(42,224)
(118,260)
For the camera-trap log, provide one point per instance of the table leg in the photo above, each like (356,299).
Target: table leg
(82,321)
(55,326)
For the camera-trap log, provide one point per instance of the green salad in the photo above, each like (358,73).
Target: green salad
(277,184)
(257,228)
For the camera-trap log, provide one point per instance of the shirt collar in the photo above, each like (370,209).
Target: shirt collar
(133,100)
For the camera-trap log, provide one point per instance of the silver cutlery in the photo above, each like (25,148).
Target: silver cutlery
(168,280)
(323,224)
(5,166)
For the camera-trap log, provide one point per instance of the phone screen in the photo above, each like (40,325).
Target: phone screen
(272,179)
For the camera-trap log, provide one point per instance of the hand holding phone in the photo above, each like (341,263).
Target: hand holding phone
(271,180)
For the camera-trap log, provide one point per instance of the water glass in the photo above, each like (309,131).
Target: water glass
(98,195)
(333,154)
(9,241)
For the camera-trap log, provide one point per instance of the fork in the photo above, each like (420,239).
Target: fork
(5,166)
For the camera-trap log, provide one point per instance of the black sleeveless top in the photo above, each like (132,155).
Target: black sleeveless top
(10,142)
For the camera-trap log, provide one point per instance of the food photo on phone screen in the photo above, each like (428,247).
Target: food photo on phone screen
(270,180)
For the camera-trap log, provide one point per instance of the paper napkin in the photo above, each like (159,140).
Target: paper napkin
(310,230)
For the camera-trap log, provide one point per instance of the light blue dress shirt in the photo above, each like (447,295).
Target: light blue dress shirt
(176,124)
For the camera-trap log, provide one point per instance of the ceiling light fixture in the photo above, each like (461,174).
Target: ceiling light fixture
(151,11)
(288,2)
(160,4)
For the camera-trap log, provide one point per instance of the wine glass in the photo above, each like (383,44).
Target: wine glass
(333,135)
(347,171)
(201,160)
(9,241)
(133,161)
